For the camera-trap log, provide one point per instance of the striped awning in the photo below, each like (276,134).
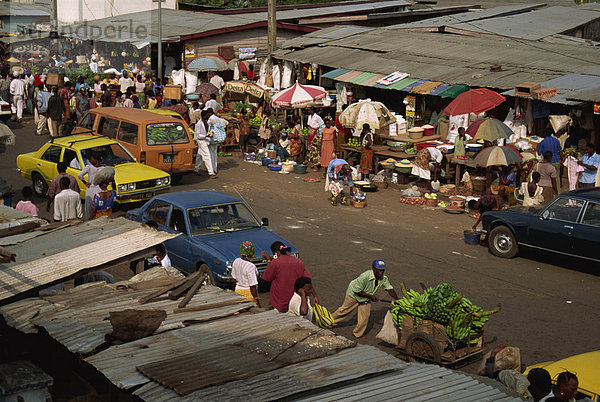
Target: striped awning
(333,74)
(454,91)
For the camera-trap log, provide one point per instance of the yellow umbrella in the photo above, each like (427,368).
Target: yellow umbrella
(13,60)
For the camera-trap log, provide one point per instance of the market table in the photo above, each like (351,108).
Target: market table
(380,152)
(459,163)
(406,138)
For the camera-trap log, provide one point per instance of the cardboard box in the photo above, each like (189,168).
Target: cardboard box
(55,80)
(173,91)
(526,89)
(545,93)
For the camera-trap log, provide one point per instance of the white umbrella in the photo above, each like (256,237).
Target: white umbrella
(375,114)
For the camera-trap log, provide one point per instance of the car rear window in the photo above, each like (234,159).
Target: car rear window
(166,133)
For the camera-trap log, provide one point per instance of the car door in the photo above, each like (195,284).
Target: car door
(47,163)
(180,248)
(587,233)
(555,228)
(71,158)
(127,135)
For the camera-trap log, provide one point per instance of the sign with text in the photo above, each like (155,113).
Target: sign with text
(392,78)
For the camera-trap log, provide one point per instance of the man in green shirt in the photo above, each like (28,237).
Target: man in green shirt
(360,294)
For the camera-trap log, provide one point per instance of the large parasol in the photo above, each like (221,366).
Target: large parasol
(474,101)
(489,129)
(375,114)
(206,89)
(299,94)
(497,156)
(208,63)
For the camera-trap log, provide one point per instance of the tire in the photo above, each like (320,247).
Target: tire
(206,275)
(423,346)
(39,184)
(502,242)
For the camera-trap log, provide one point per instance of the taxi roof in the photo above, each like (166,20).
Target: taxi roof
(584,366)
(82,141)
(130,114)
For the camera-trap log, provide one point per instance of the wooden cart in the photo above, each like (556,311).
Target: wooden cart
(429,342)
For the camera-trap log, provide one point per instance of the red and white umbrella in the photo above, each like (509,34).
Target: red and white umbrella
(299,94)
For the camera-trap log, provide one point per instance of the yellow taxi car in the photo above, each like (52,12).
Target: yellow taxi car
(134,181)
(585,366)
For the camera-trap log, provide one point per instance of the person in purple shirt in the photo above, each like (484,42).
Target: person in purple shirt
(552,144)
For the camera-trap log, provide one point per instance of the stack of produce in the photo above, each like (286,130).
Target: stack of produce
(256,121)
(354,142)
(464,321)
(305,132)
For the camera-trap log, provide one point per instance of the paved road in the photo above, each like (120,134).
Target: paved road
(549,304)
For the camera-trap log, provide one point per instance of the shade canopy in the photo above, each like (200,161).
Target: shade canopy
(375,114)
(489,129)
(474,101)
(497,156)
(208,63)
(299,94)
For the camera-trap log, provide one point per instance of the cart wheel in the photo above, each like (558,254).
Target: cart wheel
(424,346)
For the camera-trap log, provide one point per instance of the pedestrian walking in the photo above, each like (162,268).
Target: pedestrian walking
(26,205)
(17,91)
(56,110)
(54,187)
(282,271)
(361,293)
(201,135)
(43,97)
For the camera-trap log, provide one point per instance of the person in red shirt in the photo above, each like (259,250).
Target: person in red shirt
(282,271)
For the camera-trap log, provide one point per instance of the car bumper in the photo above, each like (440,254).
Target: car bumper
(141,195)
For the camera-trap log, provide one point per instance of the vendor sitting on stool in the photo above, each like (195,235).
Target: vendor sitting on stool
(422,167)
(338,171)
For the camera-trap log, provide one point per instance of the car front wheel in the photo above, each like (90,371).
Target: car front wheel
(39,184)
(502,242)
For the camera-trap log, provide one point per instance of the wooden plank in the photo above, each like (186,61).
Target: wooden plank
(191,293)
(211,306)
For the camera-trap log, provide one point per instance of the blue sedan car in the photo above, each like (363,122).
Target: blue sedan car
(569,225)
(212,227)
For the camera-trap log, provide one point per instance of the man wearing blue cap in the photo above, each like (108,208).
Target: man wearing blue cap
(360,294)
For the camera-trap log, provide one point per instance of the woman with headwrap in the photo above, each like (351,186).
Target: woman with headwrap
(245,273)
(338,171)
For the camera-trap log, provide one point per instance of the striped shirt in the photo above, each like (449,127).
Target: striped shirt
(550,143)
(245,273)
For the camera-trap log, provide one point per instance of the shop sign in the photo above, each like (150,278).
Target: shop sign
(411,102)
(596,108)
(189,50)
(246,52)
(393,77)
(31,48)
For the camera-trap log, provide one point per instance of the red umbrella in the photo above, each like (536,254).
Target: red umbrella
(474,101)
(299,94)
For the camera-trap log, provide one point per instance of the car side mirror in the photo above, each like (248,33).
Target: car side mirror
(545,215)
(265,221)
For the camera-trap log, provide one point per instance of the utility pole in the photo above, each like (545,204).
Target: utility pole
(160,57)
(53,18)
(272,27)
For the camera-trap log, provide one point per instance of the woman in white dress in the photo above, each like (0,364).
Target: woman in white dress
(532,192)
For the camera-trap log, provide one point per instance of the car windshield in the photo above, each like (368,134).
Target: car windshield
(110,155)
(166,133)
(221,218)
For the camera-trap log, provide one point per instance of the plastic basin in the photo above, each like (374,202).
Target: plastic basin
(472,236)
(300,169)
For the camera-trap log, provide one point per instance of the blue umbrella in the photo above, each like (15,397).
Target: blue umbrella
(208,64)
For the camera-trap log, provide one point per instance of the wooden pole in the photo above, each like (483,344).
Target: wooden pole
(272,27)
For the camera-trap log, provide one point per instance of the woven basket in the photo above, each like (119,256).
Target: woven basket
(358,204)
(381,184)
(430,202)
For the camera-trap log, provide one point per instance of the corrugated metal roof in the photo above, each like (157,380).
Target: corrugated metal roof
(78,318)
(335,73)
(570,89)
(534,25)
(434,23)
(452,59)
(415,382)
(32,271)
(324,35)
(336,10)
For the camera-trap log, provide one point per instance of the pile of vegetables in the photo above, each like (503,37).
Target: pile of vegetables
(256,121)
(413,200)
(241,106)
(354,142)
(463,320)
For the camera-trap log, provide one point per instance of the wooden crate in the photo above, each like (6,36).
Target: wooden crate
(526,89)
(55,80)
(172,91)
(544,93)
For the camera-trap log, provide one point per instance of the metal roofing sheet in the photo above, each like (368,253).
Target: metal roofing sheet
(347,365)
(439,89)
(335,73)
(349,76)
(370,82)
(24,276)
(534,25)
(323,35)
(362,78)
(451,59)
(469,16)
(570,87)
(414,382)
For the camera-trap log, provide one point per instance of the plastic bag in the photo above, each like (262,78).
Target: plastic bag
(178,77)
(389,333)
(191,81)
(323,317)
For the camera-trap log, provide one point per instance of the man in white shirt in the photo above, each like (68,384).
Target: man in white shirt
(203,140)
(314,122)
(17,90)
(161,255)
(217,81)
(67,204)
(125,82)
(300,303)
(212,103)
